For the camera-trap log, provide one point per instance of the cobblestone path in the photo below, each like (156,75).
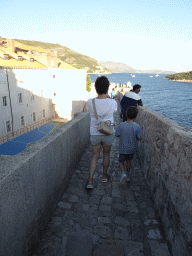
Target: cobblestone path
(110,220)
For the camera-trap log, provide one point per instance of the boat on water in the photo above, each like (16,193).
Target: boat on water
(133,75)
(157,75)
(151,76)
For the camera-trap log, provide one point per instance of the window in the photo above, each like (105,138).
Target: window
(54,93)
(53,76)
(43,113)
(8,126)
(20,97)
(32,96)
(5,101)
(34,117)
(22,121)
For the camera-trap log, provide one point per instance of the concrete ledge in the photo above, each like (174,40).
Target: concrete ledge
(32,182)
(165,154)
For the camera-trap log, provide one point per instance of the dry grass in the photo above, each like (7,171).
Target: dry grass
(59,124)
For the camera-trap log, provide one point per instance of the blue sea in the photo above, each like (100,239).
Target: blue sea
(168,98)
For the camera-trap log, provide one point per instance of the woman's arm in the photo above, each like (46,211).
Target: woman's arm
(107,95)
(85,106)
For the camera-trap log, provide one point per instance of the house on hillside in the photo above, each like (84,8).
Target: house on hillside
(35,86)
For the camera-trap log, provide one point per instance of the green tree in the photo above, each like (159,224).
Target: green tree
(88,83)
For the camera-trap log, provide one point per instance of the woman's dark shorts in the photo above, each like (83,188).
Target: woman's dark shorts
(124,157)
(107,140)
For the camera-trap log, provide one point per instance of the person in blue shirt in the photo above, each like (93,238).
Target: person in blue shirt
(128,132)
(131,99)
(113,93)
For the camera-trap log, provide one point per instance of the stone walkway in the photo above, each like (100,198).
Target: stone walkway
(110,220)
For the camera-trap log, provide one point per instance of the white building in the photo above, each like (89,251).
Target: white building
(30,95)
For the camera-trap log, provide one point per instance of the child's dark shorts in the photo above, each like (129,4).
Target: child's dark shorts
(124,157)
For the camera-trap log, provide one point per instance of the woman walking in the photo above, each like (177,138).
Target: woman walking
(105,107)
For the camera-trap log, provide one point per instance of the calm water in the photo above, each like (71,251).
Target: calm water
(168,98)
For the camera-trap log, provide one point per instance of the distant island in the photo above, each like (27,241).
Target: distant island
(181,77)
(119,67)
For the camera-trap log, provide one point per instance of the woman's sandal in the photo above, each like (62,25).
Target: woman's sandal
(89,185)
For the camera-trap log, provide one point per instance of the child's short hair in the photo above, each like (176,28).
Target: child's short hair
(132,112)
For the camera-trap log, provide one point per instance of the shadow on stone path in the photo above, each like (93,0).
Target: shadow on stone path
(110,220)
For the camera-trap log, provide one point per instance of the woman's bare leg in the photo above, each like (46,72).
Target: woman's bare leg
(106,153)
(93,164)
(122,167)
(128,165)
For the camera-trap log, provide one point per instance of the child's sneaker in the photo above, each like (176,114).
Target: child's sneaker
(128,176)
(123,178)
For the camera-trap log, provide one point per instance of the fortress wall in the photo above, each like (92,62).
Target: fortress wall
(32,182)
(165,155)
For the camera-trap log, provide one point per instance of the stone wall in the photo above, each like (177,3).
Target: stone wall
(32,182)
(165,155)
(47,60)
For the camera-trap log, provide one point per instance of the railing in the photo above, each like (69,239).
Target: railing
(23,130)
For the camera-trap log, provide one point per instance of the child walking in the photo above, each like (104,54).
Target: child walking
(129,132)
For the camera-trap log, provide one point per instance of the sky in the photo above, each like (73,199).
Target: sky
(144,34)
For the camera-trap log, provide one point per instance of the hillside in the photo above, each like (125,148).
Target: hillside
(91,65)
(69,56)
(185,77)
(117,67)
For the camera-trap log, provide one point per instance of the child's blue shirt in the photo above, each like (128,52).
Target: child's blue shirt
(128,133)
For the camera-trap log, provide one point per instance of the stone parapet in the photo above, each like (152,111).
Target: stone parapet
(165,155)
(32,182)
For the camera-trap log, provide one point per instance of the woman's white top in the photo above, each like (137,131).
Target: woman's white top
(105,109)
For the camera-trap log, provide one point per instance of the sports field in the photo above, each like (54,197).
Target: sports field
(15,146)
